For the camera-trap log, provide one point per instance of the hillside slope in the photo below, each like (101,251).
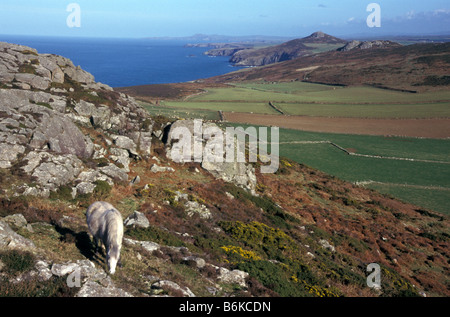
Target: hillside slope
(415,67)
(282,52)
(192,229)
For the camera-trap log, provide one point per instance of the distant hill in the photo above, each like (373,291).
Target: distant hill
(217,38)
(322,38)
(285,51)
(415,67)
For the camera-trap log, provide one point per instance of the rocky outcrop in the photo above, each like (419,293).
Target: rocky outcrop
(49,110)
(224,51)
(9,239)
(137,219)
(239,173)
(26,69)
(359,45)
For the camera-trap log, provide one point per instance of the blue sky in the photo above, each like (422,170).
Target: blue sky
(152,18)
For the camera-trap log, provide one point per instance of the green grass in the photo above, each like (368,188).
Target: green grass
(413,148)
(298,98)
(251,107)
(299,92)
(411,181)
(426,184)
(180,113)
(286,87)
(434,199)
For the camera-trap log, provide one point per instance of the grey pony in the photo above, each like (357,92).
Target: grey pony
(106,225)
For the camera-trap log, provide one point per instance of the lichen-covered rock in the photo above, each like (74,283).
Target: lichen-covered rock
(9,154)
(239,173)
(62,136)
(95,289)
(161,169)
(137,219)
(11,240)
(185,291)
(193,207)
(232,277)
(48,110)
(147,245)
(52,171)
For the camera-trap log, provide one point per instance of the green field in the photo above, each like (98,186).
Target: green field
(171,112)
(424,181)
(255,107)
(297,98)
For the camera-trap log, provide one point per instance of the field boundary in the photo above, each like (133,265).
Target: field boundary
(275,107)
(355,154)
(365,155)
(371,182)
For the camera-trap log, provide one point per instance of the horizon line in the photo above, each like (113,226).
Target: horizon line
(344,36)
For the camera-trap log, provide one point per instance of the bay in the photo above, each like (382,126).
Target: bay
(131,62)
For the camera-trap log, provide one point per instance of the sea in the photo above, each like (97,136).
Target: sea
(131,62)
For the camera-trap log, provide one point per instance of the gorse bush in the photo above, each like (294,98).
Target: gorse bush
(259,236)
(237,254)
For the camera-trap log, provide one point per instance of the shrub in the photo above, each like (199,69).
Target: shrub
(274,277)
(102,189)
(274,213)
(29,52)
(156,235)
(259,236)
(32,287)
(16,262)
(27,69)
(64,192)
(319,291)
(237,254)
(393,285)
(101,162)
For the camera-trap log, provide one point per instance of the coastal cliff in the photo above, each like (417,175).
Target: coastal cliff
(283,52)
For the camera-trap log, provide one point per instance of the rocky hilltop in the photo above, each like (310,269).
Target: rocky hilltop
(192,228)
(365,45)
(49,109)
(283,52)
